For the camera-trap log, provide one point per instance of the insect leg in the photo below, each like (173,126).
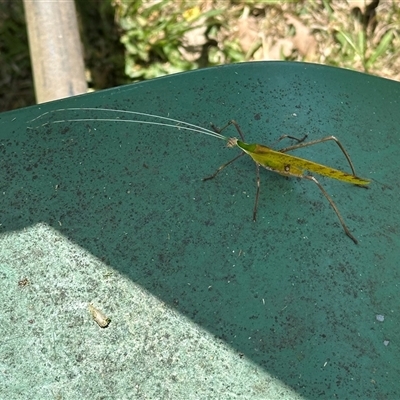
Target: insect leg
(293,138)
(257,192)
(311,178)
(231,122)
(222,167)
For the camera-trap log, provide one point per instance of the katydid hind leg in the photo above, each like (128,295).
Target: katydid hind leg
(333,205)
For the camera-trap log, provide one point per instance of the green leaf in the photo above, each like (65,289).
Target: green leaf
(343,39)
(381,49)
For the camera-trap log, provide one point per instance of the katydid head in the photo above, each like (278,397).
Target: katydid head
(232,142)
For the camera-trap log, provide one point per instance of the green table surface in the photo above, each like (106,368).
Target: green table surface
(204,302)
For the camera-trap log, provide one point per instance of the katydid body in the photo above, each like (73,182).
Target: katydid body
(293,166)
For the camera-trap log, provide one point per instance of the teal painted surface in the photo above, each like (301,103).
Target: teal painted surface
(291,292)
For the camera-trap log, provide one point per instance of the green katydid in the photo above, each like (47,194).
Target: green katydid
(287,165)
(273,160)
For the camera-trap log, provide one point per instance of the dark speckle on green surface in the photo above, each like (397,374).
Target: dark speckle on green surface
(118,214)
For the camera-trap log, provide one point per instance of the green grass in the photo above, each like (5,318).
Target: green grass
(126,41)
(162,37)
